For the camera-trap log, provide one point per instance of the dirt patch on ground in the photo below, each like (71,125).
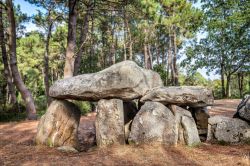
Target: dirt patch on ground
(17,148)
(225,107)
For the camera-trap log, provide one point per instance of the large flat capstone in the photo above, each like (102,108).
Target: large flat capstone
(192,96)
(124,80)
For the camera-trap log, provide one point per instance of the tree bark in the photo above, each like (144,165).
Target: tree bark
(170,61)
(175,69)
(103,54)
(157,45)
(228,94)
(71,40)
(92,49)
(222,81)
(164,63)
(83,36)
(7,71)
(46,63)
(124,36)
(26,95)
(112,49)
(150,57)
(241,83)
(145,50)
(130,43)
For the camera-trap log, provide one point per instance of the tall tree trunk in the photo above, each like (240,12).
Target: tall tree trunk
(7,71)
(112,49)
(124,44)
(170,61)
(169,68)
(157,45)
(164,56)
(228,94)
(83,36)
(157,55)
(92,49)
(124,48)
(175,69)
(150,58)
(249,81)
(164,63)
(26,95)
(145,49)
(103,52)
(46,64)
(241,83)
(130,46)
(124,36)
(130,43)
(102,59)
(71,40)
(112,52)
(222,81)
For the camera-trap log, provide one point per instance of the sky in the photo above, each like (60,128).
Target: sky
(30,10)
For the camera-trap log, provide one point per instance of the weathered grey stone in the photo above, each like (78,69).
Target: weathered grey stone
(124,80)
(127,128)
(191,135)
(154,123)
(243,109)
(110,122)
(186,127)
(58,126)
(192,96)
(227,129)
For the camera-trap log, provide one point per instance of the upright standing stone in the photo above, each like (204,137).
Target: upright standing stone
(186,127)
(154,123)
(110,122)
(59,125)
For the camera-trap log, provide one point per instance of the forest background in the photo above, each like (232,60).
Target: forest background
(188,42)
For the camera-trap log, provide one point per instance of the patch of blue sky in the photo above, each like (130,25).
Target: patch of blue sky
(30,10)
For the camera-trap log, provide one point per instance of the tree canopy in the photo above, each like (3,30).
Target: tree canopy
(84,36)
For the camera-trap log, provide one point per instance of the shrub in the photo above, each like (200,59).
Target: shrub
(41,105)
(12,113)
(84,106)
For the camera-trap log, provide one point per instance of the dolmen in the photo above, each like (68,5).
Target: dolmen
(133,107)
